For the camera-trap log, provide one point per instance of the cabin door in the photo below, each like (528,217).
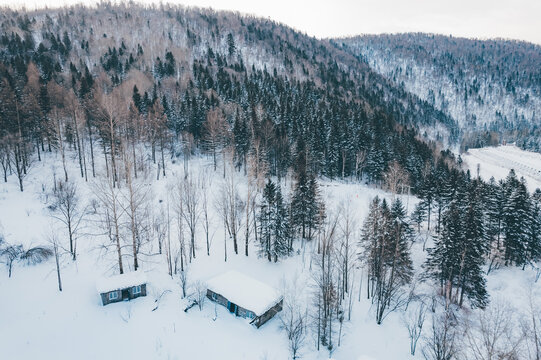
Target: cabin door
(232,307)
(126,294)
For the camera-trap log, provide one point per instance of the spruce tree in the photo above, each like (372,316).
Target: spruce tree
(456,259)
(266,219)
(516,221)
(281,244)
(274,230)
(385,241)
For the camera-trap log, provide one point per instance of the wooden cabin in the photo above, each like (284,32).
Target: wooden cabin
(245,297)
(122,287)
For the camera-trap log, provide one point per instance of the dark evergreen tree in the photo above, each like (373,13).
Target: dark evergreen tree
(457,256)
(266,220)
(273,220)
(386,240)
(516,221)
(230,44)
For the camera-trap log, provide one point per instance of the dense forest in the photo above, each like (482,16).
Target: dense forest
(491,88)
(188,80)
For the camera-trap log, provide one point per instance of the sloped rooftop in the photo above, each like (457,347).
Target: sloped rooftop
(122,281)
(245,291)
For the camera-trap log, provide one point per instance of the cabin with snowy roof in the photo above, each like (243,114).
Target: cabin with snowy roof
(245,297)
(122,287)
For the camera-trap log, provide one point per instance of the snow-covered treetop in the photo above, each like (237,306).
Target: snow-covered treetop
(245,291)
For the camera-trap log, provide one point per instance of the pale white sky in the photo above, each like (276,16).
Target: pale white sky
(516,19)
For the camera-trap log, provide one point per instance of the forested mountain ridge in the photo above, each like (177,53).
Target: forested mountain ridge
(186,142)
(175,78)
(491,88)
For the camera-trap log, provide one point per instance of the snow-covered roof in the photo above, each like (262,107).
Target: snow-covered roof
(121,281)
(245,291)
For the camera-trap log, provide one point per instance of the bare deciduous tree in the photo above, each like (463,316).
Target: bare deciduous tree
(110,198)
(184,279)
(441,343)
(396,178)
(55,243)
(230,206)
(190,204)
(11,253)
(66,207)
(489,334)
(136,199)
(215,129)
(205,189)
(360,161)
(531,330)
(293,318)
(5,157)
(200,293)
(414,321)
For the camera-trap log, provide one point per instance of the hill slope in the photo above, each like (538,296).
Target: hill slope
(271,84)
(484,85)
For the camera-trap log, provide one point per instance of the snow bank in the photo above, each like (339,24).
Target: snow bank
(121,281)
(245,291)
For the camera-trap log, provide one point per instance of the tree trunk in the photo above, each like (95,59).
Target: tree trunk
(55,247)
(91,148)
(75,127)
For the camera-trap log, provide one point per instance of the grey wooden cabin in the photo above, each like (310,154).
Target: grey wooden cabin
(245,297)
(122,287)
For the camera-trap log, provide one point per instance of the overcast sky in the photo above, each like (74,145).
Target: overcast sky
(516,19)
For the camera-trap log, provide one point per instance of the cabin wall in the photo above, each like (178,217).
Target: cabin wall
(242,312)
(219,298)
(269,314)
(105,296)
(142,293)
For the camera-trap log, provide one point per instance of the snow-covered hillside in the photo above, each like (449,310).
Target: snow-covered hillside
(493,104)
(497,161)
(483,85)
(38,321)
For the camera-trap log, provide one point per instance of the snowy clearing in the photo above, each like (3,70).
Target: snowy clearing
(39,321)
(497,161)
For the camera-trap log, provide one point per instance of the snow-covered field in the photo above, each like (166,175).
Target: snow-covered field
(38,321)
(497,161)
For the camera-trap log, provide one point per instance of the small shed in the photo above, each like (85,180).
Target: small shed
(122,287)
(245,296)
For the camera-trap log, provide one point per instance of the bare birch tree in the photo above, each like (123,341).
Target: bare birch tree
(490,335)
(293,317)
(57,250)
(231,207)
(67,208)
(442,341)
(136,196)
(189,191)
(112,213)
(215,129)
(206,219)
(414,321)
(396,178)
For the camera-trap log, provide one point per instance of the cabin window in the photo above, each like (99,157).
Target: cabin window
(249,315)
(136,289)
(113,295)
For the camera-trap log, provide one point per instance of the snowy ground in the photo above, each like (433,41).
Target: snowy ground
(497,161)
(38,321)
